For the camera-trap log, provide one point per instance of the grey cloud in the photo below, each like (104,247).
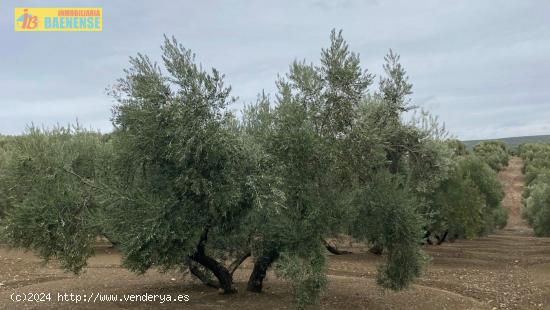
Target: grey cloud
(480,66)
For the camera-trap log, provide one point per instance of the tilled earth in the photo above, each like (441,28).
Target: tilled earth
(506,270)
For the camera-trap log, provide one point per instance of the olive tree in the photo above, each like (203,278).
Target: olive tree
(328,138)
(458,147)
(536,194)
(467,203)
(459,193)
(494,153)
(48,209)
(184,182)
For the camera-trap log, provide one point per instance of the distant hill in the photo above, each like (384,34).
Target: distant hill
(512,141)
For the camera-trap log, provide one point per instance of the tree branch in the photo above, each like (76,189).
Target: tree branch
(235,264)
(334,250)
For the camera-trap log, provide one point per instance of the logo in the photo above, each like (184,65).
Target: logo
(26,21)
(58,19)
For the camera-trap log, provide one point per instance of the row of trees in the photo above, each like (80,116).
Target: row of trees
(183,183)
(467,202)
(494,153)
(536,195)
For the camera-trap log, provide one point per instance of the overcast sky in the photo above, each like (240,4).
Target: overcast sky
(481,66)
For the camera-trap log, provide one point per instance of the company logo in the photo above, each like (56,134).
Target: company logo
(26,21)
(58,19)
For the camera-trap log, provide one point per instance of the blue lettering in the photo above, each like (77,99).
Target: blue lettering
(47,22)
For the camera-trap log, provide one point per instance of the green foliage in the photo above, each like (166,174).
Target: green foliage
(48,209)
(181,181)
(4,154)
(458,147)
(537,208)
(183,171)
(494,153)
(328,142)
(386,214)
(536,193)
(430,125)
(307,274)
(395,86)
(468,203)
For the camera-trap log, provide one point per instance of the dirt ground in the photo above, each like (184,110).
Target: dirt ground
(506,270)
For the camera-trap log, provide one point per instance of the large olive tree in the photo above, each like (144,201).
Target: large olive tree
(187,178)
(331,140)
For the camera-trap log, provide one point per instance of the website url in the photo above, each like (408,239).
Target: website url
(94,297)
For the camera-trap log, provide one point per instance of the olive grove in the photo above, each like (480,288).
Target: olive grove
(184,183)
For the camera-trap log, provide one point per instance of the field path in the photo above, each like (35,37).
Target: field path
(506,270)
(512,179)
